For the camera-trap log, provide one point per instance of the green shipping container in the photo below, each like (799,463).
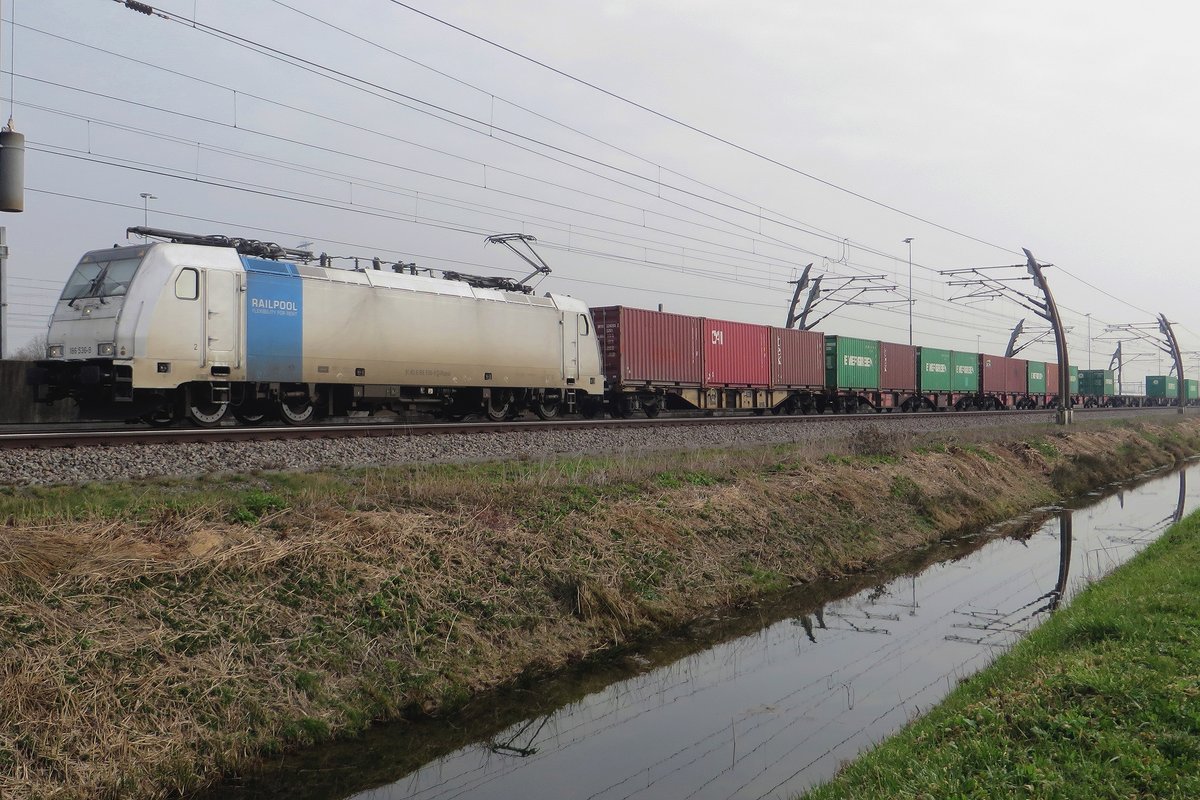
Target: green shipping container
(1036,372)
(1191,389)
(934,366)
(964,375)
(851,363)
(1074,389)
(1097,383)
(1162,386)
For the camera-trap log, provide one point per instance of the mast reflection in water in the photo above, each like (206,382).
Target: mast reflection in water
(768,713)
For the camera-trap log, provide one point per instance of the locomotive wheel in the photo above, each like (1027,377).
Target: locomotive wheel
(499,406)
(253,415)
(164,416)
(546,409)
(591,408)
(297,412)
(206,414)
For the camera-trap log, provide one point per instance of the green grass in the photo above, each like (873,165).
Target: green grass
(1101,701)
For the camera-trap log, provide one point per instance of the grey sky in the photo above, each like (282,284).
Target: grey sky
(1064,127)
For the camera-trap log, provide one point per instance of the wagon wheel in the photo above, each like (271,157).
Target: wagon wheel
(499,406)
(652,409)
(850,405)
(622,408)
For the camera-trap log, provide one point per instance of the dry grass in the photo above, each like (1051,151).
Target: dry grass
(144,651)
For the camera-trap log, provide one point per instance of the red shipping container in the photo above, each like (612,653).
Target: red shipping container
(1018,375)
(649,347)
(797,358)
(1051,378)
(736,353)
(993,374)
(897,367)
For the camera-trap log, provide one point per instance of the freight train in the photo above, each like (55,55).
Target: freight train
(200,328)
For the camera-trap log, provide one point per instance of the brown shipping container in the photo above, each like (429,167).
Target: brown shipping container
(649,347)
(993,374)
(1018,375)
(797,358)
(736,353)
(897,367)
(1051,378)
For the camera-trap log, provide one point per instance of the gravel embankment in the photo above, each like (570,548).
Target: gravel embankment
(84,464)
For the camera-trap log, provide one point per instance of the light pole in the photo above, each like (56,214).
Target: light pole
(1089,318)
(146,198)
(909,242)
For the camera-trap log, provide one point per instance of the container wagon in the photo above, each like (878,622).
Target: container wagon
(851,372)
(653,360)
(1162,390)
(1003,383)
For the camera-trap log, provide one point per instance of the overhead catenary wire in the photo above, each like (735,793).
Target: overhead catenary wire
(477,125)
(533,199)
(382,213)
(242,42)
(642,177)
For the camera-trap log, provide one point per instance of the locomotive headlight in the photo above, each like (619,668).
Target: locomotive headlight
(106,349)
(54,351)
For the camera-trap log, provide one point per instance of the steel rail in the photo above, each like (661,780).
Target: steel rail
(60,437)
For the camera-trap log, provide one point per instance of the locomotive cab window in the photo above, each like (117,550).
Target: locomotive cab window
(100,275)
(584,327)
(187,285)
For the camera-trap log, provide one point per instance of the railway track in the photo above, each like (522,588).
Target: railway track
(65,435)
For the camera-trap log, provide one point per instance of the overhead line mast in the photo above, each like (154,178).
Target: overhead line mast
(986,286)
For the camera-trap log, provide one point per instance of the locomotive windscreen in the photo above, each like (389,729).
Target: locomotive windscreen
(104,273)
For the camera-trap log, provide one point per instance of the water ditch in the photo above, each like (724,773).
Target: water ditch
(763,704)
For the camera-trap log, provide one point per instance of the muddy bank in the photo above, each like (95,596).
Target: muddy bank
(153,636)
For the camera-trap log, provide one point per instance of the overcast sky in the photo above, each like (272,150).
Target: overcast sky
(977,129)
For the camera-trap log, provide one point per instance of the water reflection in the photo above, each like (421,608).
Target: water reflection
(787,692)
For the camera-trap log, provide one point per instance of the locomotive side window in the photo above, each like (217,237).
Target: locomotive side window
(187,285)
(584,328)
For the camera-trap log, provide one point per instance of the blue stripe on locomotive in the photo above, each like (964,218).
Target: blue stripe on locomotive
(274,321)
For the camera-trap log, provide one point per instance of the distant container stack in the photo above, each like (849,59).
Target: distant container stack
(1097,382)
(1036,372)
(1162,386)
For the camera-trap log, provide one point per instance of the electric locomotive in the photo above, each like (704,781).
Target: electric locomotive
(201,327)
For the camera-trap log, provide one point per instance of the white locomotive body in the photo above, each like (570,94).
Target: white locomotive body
(165,330)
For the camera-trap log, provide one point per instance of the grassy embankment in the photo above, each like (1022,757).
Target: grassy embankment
(1103,700)
(153,635)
